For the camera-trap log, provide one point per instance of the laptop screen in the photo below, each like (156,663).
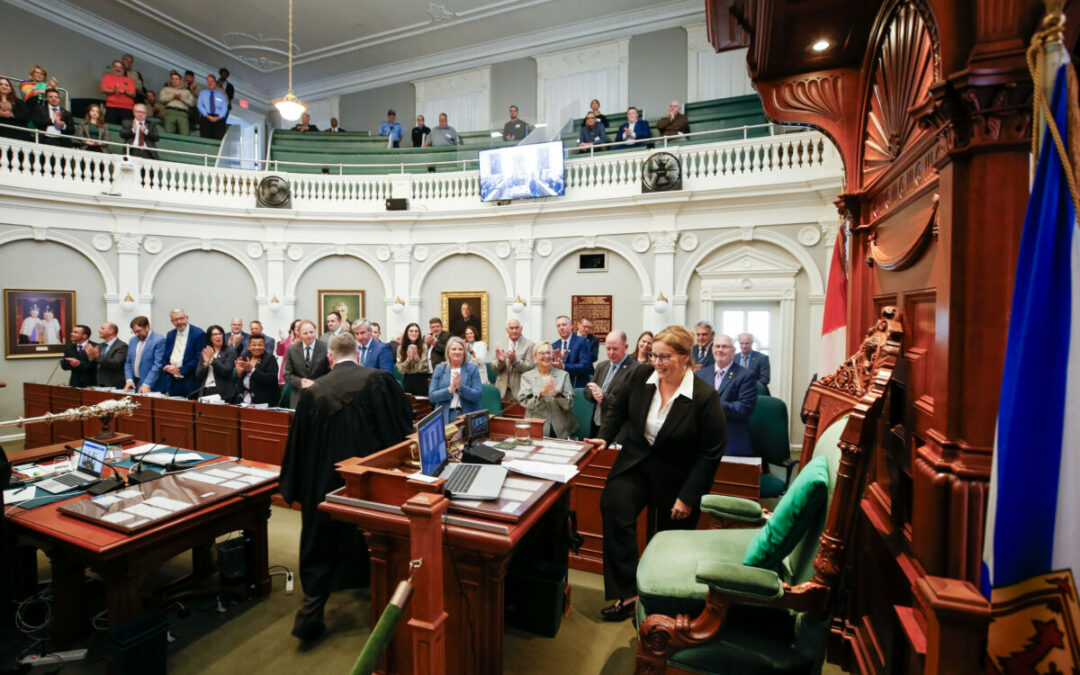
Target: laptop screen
(477,425)
(92,459)
(431,434)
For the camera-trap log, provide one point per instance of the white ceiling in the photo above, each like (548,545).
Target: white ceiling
(350,45)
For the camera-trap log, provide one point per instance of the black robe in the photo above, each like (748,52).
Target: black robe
(349,412)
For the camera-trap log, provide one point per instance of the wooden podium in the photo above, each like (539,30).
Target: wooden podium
(476,552)
(264,433)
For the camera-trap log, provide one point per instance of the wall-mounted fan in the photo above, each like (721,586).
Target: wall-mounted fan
(661,172)
(274,193)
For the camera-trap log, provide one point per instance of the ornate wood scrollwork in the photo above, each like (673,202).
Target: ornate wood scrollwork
(856,374)
(816,95)
(906,258)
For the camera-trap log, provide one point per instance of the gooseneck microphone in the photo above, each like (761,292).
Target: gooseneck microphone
(172,465)
(141,475)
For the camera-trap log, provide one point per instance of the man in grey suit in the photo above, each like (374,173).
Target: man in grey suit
(335,326)
(110,356)
(755,362)
(513,356)
(305,361)
(609,373)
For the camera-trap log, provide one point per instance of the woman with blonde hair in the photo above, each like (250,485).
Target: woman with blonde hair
(547,392)
(671,427)
(33,90)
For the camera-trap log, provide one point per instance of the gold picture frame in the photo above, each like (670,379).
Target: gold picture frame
(454,321)
(351,301)
(37,323)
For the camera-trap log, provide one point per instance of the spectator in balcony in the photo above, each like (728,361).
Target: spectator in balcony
(225,86)
(178,101)
(129,69)
(53,120)
(334,128)
(305,125)
(154,107)
(674,123)
(13,111)
(213,108)
(391,128)
(192,86)
(141,134)
(443,135)
(33,90)
(594,106)
(93,129)
(634,130)
(420,132)
(516,129)
(592,133)
(119,90)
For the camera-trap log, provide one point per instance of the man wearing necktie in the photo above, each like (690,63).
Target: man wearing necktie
(83,370)
(572,353)
(752,360)
(110,356)
(372,353)
(738,394)
(213,108)
(608,374)
(141,134)
(305,362)
(53,120)
(702,351)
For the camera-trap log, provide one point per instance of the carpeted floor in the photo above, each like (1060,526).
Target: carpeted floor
(253,636)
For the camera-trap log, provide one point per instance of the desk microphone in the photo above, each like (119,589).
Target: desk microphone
(141,475)
(104,485)
(172,466)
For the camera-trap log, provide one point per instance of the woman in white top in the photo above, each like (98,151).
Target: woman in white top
(546,391)
(476,352)
(671,427)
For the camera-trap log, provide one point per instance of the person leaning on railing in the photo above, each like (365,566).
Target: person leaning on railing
(93,129)
(592,132)
(13,112)
(53,120)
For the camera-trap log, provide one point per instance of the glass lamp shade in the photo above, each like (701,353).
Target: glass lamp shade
(290,107)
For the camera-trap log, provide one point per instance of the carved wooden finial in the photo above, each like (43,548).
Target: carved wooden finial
(856,373)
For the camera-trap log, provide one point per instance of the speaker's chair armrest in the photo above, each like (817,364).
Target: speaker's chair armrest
(748,582)
(742,511)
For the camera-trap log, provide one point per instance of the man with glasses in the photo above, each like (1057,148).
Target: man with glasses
(738,394)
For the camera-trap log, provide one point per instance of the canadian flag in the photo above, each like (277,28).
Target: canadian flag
(834,324)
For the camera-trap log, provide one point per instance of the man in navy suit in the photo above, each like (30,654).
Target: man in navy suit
(572,353)
(755,362)
(702,351)
(634,131)
(146,355)
(183,349)
(372,353)
(738,394)
(585,331)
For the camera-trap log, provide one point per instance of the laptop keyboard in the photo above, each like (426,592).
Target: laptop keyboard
(70,479)
(462,478)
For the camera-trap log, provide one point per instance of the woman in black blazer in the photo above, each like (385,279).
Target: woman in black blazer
(671,428)
(257,375)
(214,373)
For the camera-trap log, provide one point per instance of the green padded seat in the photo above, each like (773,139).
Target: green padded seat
(754,640)
(490,399)
(583,410)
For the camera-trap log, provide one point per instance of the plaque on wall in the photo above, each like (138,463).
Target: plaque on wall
(596,308)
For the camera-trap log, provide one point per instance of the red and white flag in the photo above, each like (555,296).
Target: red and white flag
(834,324)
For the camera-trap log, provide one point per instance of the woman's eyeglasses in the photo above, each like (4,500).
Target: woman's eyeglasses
(662,358)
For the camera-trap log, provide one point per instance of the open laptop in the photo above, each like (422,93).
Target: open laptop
(90,462)
(463,481)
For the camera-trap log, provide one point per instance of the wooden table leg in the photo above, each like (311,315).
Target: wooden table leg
(69,584)
(123,594)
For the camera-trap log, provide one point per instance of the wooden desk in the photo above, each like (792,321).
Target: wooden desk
(63,398)
(37,400)
(141,423)
(92,427)
(475,563)
(172,422)
(123,561)
(218,430)
(263,434)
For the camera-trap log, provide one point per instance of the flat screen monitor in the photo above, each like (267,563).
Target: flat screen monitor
(522,172)
(476,426)
(431,436)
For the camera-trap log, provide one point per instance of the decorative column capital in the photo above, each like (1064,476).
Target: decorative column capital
(664,242)
(275,252)
(401,252)
(523,249)
(127,243)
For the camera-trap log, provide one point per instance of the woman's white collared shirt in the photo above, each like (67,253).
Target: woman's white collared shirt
(657,414)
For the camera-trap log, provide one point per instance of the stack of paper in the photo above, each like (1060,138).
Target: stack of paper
(163,457)
(559,473)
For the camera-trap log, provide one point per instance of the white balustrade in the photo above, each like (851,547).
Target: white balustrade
(792,157)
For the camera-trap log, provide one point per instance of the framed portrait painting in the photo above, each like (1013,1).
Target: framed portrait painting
(350,304)
(37,323)
(464,309)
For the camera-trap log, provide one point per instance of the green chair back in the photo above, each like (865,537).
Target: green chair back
(769,430)
(490,399)
(762,390)
(492,375)
(583,411)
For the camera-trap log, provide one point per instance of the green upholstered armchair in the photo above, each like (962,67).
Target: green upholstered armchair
(583,410)
(769,439)
(702,610)
(489,398)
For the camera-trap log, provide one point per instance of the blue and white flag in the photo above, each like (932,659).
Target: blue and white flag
(1033,519)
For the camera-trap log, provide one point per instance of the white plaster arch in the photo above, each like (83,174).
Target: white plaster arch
(95,258)
(425,269)
(325,252)
(601,242)
(796,250)
(186,247)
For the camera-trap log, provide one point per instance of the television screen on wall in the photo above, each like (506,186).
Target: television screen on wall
(522,172)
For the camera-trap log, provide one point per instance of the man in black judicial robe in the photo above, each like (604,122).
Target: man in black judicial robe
(351,411)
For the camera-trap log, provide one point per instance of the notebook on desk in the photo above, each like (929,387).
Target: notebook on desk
(463,481)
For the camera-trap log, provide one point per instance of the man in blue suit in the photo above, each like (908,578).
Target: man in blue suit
(754,361)
(372,353)
(634,131)
(572,353)
(146,354)
(702,351)
(738,394)
(183,349)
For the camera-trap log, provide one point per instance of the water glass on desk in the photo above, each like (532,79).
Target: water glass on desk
(523,431)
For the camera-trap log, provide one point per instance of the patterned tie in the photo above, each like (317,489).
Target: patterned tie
(363,354)
(213,108)
(607,385)
(307,356)
(745,358)
(719,379)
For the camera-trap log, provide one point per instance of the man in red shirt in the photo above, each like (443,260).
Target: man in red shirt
(119,90)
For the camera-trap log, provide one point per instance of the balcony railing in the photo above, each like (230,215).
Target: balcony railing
(745,162)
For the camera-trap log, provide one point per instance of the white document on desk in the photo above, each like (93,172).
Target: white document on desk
(167,457)
(19,495)
(559,473)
